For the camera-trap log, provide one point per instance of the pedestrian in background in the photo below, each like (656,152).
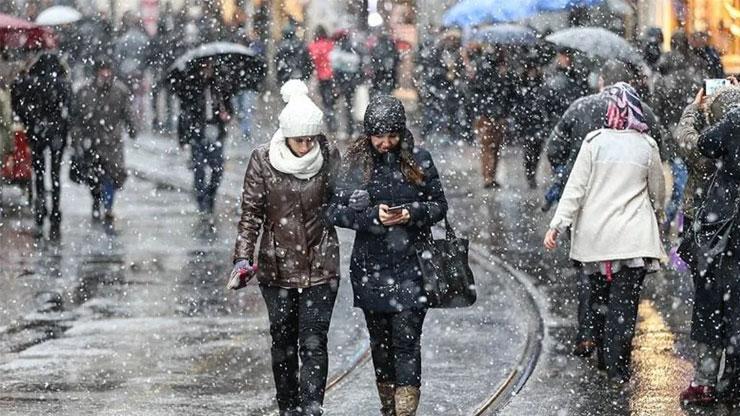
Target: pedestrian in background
(292,60)
(320,50)
(287,184)
(205,110)
(41,99)
(100,111)
(610,202)
(346,63)
(384,61)
(390,194)
(492,96)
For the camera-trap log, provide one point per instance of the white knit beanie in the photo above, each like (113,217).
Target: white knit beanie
(300,117)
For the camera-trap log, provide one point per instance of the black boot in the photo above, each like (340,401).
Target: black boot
(109,223)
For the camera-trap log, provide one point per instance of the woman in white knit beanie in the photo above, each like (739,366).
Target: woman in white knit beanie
(287,183)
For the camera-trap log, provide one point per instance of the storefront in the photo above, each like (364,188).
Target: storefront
(719,18)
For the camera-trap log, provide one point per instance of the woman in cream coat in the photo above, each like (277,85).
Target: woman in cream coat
(611,201)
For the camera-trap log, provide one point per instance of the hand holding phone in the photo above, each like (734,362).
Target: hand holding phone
(389,216)
(395,210)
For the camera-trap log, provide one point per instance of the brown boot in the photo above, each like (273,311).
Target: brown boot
(387,391)
(407,400)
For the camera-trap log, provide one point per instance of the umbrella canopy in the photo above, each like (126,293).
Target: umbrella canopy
(503,34)
(236,66)
(58,15)
(469,13)
(597,42)
(19,33)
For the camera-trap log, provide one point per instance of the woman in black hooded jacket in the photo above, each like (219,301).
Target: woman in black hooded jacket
(390,193)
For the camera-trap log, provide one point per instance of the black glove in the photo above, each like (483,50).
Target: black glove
(359,200)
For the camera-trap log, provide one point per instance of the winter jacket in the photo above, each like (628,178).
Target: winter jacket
(384,61)
(722,142)
(320,50)
(298,248)
(384,268)
(41,99)
(585,115)
(492,90)
(99,114)
(196,119)
(612,197)
(673,91)
(700,167)
(292,60)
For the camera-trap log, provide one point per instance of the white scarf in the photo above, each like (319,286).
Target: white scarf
(283,159)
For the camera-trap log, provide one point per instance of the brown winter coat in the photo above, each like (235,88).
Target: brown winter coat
(297,249)
(99,115)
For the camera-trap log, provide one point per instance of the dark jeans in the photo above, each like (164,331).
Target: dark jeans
(613,318)
(38,145)
(532,147)
(205,155)
(395,340)
(299,323)
(326,89)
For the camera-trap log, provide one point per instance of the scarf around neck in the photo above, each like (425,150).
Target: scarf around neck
(283,159)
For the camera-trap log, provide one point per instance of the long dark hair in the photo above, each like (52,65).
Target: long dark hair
(360,156)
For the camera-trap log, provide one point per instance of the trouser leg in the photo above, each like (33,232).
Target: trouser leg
(490,137)
(380,328)
(586,312)
(406,338)
(532,151)
(56,185)
(38,162)
(216,164)
(315,310)
(326,89)
(199,175)
(707,364)
(621,317)
(282,311)
(598,297)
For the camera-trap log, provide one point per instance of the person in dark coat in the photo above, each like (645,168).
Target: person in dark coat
(492,95)
(390,193)
(707,57)
(722,143)
(292,59)
(41,100)
(384,60)
(287,185)
(205,110)
(706,325)
(562,85)
(582,117)
(100,111)
(346,62)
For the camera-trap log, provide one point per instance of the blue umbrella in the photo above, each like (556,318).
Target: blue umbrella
(503,34)
(474,12)
(557,5)
(469,13)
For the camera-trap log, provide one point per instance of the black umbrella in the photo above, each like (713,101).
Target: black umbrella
(597,42)
(503,34)
(236,67)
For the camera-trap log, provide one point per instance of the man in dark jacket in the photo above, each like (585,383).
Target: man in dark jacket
(41,99)
(384,60)
(205,111)
(292,59)
(582,117)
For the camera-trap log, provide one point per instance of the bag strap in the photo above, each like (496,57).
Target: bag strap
(449,231)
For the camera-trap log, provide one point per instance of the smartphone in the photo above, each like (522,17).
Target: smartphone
(713,84)
(395,210)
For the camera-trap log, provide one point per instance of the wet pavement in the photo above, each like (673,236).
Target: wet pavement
(141,324)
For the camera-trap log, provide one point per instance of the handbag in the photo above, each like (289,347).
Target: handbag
(80,167)
(447,277)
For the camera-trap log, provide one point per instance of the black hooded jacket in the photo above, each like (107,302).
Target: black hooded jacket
(384,268)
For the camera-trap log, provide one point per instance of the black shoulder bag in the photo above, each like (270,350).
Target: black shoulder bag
(448,279)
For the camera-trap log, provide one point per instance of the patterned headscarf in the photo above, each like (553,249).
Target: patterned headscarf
(625,108)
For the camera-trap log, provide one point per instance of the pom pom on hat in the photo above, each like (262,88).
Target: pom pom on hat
(300,117)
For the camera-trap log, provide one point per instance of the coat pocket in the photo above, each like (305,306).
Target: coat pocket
(325,256)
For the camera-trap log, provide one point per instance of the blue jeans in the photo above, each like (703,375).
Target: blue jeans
(245,111)
(555,191)
(206,155)
(680,177)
